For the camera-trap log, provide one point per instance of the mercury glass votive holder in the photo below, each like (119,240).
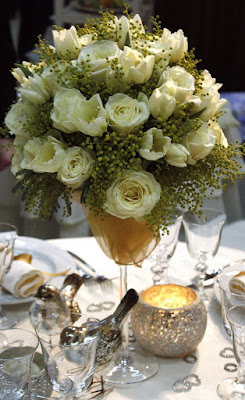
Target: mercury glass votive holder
(169,320)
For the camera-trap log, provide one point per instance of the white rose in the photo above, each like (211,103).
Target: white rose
(177,155)
(162,102)
(72,113)
(177,41)
(182,81)
(66,42)
(137,69)
(133,195)
(199,143)
(219,134)
(126,114)
(16,117)
(97,57)
(35,89)
(43,155)
(154,144)
(211,102)
(76,167)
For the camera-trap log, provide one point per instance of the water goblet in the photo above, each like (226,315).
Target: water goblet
(166,248)
(8,234)
(234,388)
(65,362)
(17,347)
(227,297)
(203,233)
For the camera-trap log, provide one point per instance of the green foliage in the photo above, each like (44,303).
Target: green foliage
(40,192)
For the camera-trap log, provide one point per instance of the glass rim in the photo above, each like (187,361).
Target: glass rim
(192,212)
(10,225)
(229,312)
(223,272)
(24,331)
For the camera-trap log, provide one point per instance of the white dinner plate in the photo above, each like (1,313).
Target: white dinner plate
(228,272)
(46,257)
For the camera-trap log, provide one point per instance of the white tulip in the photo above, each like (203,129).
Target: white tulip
(199,143)
(35,89)
(219,134)
(72,113)
(183,82)
(43,155)
(154,144)
(66,42)
(177,41)
(137,69)
(177,155)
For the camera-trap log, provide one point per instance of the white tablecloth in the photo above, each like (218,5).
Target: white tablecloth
(209,366)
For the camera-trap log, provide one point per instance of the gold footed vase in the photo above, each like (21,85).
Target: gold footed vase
(127,242)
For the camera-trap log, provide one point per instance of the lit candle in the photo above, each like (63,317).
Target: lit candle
(169,320)
(169,296)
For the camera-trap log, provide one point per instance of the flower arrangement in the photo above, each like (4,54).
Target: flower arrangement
(121,116)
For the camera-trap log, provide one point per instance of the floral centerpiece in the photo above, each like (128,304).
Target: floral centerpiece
(122,119)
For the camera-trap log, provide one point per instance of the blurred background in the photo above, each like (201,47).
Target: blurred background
(214,28)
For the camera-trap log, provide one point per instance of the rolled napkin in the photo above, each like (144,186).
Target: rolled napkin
(23,279)
(237,283)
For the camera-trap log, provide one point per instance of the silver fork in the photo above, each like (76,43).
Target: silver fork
(89,273)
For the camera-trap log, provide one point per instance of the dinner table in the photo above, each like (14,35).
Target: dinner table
(209,365)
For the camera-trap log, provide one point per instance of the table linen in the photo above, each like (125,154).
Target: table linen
(210,365)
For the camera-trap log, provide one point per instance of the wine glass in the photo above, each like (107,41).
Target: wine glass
(166,248)
(234,387)
(203,233)
(8,234)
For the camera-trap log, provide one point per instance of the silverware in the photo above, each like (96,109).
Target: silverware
(89,273)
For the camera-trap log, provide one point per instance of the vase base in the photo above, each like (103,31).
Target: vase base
(138,366)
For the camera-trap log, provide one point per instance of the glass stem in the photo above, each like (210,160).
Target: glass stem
(2,269)
(201,268)
(125,328)
(241,374)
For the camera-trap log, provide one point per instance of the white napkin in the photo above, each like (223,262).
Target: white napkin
(237,283)
(23,279)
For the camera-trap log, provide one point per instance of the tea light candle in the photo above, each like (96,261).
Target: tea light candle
(169,296)
(169,320)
